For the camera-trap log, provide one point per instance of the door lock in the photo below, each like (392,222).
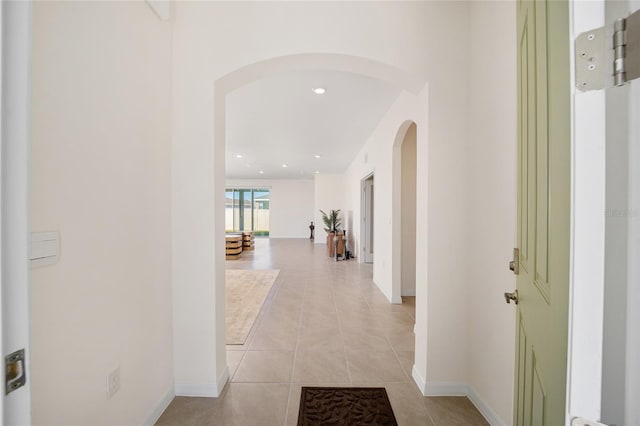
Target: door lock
(514,265)
(15,373)
(508,297)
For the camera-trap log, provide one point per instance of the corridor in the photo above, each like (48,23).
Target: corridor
(325,323)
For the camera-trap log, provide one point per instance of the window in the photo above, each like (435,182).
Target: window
(247,210)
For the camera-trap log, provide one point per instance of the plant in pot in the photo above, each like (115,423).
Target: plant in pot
(332,223)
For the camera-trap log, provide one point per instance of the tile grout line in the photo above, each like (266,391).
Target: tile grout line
(344,346)
(295,353)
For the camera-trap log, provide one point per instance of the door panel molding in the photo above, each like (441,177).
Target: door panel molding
(543,212)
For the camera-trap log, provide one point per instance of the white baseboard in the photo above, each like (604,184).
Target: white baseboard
(457,389)
(484,409)
(204,390)
(160,407)
(223,379)
(420,382)
(409,292)
(445,389)
(292,236)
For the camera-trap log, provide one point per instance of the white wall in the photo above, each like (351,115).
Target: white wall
(291,205)
(441,327)
(376,156)
(213,44)
(470,186)
(408,212)
(490,212)
(101,176)
(329,195)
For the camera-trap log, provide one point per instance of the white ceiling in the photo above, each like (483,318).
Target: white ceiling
(279,120)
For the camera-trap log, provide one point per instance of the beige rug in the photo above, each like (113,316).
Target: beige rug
(246,292)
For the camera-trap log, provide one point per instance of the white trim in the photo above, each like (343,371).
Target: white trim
(588,134)
(203,390)
(15,183)
(305,237)
(484,409)
(365,228)
(160,407)
(1,191)
(417,378)
(196,390)
(397,301)
(459,389)
(389,297)
(409,292)
(445,389)
(223,379)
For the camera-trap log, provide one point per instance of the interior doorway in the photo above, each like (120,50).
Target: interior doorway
(408,212)
(403,214)
(367,239)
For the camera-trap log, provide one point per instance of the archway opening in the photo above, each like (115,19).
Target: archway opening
(215,367)
(404,213)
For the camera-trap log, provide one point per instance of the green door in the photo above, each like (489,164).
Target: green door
(543,212)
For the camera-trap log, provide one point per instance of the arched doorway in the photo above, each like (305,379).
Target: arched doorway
(404,212)
(199,310)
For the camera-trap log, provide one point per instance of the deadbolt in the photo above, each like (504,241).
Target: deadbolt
(508,297)
(514,265)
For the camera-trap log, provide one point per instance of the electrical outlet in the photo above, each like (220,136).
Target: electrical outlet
(113,382)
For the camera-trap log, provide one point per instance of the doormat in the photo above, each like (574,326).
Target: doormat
(345,406)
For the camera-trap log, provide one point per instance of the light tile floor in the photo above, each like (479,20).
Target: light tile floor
(325,323)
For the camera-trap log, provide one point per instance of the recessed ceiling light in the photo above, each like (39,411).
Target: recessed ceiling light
(238,155)
(317,172)
(261,172)
(318,90)
(284,165)
(317,156)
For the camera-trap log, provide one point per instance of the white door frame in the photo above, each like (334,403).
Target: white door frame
(585,322)
(586,316)
(14,204)
(584,372)
(366,221)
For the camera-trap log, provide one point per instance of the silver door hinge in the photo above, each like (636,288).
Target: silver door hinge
(609,56)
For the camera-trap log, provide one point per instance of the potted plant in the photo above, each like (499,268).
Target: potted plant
(332,223)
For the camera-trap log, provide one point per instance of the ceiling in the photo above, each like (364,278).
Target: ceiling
(280,120)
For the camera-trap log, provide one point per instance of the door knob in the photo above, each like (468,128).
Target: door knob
(508,297)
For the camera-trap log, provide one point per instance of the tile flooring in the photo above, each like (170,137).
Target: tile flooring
(325,323)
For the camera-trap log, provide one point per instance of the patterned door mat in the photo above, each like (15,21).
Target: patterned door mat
(345,406)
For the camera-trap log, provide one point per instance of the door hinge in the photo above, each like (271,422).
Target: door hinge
(608,56)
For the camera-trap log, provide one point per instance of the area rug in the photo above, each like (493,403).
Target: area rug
(246,291)
(345,406)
